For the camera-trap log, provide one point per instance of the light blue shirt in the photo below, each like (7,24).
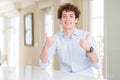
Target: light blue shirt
(72,57)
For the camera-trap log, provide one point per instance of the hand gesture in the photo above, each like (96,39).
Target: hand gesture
(84,42)
(49,41)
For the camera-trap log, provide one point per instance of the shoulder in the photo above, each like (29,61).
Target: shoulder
(58,35)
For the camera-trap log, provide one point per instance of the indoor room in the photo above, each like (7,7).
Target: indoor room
(25,23)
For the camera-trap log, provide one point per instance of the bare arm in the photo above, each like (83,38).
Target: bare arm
(44,52)
(93,57)
(85,45)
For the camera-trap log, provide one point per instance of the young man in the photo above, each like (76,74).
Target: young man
(76,48)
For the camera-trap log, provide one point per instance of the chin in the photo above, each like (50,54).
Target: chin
(68,28)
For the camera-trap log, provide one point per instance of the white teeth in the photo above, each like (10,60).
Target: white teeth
(67,23)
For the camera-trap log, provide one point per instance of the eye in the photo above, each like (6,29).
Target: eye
(71,16)
(63,16)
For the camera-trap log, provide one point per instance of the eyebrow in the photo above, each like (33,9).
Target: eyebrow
(65,14)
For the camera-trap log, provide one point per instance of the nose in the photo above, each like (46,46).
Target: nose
(67,18)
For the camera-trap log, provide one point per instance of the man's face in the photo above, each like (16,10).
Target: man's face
(68,20)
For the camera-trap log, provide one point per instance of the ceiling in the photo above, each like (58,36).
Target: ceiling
(7,5)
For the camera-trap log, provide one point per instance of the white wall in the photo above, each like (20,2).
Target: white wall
(112,38)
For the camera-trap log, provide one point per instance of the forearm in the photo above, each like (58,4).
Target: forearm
(93,57)
(44,54)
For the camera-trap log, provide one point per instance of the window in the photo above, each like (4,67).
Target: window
(9,40)
(13,41)
(48,23)
(95,18)
(1,38)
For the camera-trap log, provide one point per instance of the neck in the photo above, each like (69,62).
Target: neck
(69,33)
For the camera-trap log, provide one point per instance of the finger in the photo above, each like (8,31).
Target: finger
(51,38)
(50,41)
(87,36)
(81,41)
(46,35)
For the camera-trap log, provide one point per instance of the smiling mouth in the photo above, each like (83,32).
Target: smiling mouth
(67,23)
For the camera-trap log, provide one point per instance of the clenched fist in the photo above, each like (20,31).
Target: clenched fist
(49,41)
(84,42)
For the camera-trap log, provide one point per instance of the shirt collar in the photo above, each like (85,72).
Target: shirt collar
(76,33)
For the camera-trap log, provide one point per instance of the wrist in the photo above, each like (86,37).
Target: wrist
(90,50)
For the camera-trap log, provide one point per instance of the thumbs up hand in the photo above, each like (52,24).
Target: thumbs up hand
(49,41)
(84,42)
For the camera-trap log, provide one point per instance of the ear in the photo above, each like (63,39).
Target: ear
(76,20)
(60,20)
